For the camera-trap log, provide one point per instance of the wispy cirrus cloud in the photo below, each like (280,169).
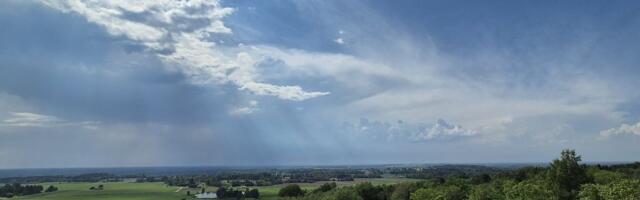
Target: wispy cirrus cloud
(27,119)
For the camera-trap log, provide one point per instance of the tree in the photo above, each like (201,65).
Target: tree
(480,179)
(621,190)
(567,174)
(401,192)
(531,190)
(325,187)
(51,188)
(367,191)
(589,192)
(253,193)
(485,192)
(188,193)
(292,190)
(192,183)
(222,192)
(451,192)
(605,177)
(347,194)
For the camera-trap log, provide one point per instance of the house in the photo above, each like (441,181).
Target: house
(207,195)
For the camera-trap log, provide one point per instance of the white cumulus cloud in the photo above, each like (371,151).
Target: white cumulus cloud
(412,132)
(443,130)
(633,129)
(185,45)
(251,107)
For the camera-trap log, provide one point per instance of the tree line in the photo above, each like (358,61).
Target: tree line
(17,189)
(566,178)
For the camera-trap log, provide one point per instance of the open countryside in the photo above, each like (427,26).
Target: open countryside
(319,100)
(160,191)
(564,178)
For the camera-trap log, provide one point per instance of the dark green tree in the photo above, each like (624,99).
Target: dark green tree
(325,187)
(253,193)
(292,190)
(51,188)
(222,192)
(347,194)
(402,191)
(567,174)
(367,191)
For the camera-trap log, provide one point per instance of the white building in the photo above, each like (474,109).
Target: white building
(208,195)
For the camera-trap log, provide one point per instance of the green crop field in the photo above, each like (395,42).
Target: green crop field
(124,191)
(159,191)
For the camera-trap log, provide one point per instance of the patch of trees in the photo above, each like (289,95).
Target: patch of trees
(224,192)
(325,187)
(442,171)
(273,177)
(564,179)
(292,190)
(16,189)
(99,187)
(51,188)
(91,178)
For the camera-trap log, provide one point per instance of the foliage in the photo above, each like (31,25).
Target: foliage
(253,193)
(325,187)
(531,190)
(589,192)
(402,191)
(292,190)
(605,177)
(567,174)
(224,192)
(367,191)
(439,193)
(348,194)
(51,188)
(16,189)
(486,192)
(621,190)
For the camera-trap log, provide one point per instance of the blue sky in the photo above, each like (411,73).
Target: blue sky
(175,83)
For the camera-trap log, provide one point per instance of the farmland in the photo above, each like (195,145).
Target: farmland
(160,191)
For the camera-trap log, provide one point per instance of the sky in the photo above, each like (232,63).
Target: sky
(262,83)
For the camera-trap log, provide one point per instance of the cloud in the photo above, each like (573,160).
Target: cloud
(444,130)
(26,119)
(251,107)
(624,129)
(404,131)
(181,34)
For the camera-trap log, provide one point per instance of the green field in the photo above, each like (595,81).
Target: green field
(159,191)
